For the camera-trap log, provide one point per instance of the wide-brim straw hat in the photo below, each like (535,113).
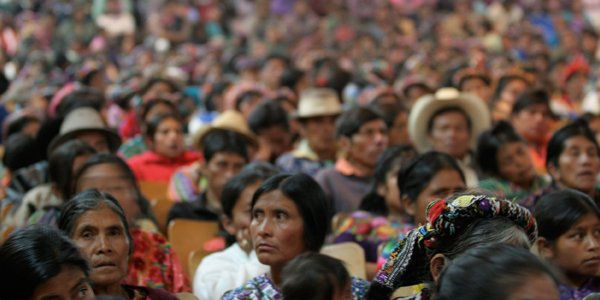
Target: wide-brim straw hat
(230,120)
(317,102)
(426,106)
(82,120)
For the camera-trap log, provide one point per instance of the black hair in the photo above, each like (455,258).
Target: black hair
(149,105)
(81,97)
(313,276)
(32,256)
(498,269)
(489,144)
(152,81)
(558,211)
(266,115)
(530,98)
(20,150)
(224,141)
(60,163)
(17,125)
(286,60)
(486,80)
(445,110)
(389,111)
(415,177)
(246,96)
(252,173)
(504,81)
(154,123)
(350,122)
(291,77)
(90,199)
(106,158)
(556,145)
(310,200)
(393,157)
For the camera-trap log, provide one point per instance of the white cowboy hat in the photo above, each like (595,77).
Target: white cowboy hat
(229,120)
(426,107)
(316,102)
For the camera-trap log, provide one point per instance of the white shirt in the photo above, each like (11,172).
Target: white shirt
(224,271)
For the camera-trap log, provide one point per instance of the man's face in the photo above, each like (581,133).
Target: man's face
(369,142)
(450,133)
(533,123)
(95,139)
(220,168)
(320,133)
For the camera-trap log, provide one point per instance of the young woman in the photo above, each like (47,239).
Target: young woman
(569,237)
(164,137)
(504,157)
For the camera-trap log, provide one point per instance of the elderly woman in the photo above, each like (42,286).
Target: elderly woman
(504,156)
(41,263)
(573,161)
(97,224)
(153,261)
(453,226)
(289,217)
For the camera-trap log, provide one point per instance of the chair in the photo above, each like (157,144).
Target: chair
(189,235)
(194,260)
(156,192)
(351,254)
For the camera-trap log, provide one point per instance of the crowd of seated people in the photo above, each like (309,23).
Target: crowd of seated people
(319,149)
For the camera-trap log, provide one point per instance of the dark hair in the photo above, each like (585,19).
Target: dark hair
(498,269)
(489,144)
(224,141)
(266,115)
(530,98)
(18,124)
(81,97)
(252,173)
(486,80)
(60,163)
(90,199)
(558,211)
(152,125)
(313,276)
(350,122)
(310,200)
(389,111)
(556,144)
(246,96)
(445,110)
(20,150)
(413,179)
(504,81)
(152,81)
(148,106)
(393,157)
(105,158)
(32,256)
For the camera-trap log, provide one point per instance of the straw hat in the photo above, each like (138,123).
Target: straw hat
(426,106)
(315,102)
(80,120)
(231,120)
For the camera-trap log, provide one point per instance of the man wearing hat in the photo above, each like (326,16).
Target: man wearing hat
(317,111)
(450,122)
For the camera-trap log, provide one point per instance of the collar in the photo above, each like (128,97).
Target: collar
(303,150)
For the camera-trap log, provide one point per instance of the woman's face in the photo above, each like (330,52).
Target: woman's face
(512,90)
(241,215)
(168,138)
(101,237)
(578,165)
(70,284)
(445,183)
(577,251)
(514,164)
(277,229)
(398,133)
(109,178)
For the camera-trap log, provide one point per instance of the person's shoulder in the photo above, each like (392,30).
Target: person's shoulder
(254,288)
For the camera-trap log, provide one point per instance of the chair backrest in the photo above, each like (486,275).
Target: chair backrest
(351,254)
(156,193)
(189,235)
(194,260)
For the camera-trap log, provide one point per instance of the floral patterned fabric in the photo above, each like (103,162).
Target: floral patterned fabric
(154,264)
(262,288)
(569,293)
(369,231)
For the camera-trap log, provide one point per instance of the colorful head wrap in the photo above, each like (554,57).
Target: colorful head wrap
(446,220)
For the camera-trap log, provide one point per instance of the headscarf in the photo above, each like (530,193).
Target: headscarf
(446,220)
